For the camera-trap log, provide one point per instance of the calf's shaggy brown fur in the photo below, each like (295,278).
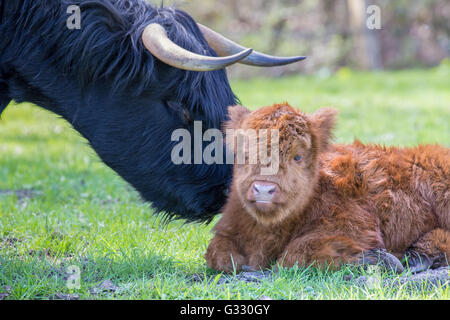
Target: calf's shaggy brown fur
(333,204)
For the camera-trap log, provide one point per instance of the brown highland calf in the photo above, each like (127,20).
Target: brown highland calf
(333,204)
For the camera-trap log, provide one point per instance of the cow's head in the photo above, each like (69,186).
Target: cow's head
(270,198)
(126,80)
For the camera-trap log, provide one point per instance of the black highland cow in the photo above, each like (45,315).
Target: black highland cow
(126,87)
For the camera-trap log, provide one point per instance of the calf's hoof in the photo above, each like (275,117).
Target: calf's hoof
(382,258)
(419,262)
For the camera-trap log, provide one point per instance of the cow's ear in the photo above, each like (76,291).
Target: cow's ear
(237,114)
(324,120)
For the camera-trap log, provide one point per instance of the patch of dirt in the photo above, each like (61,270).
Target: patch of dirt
(48,253)
(4,295)
(197,277)
(64,296)
(254,276)
(21,194)
(105,287)
(6,242)
(245,276)
(423,280)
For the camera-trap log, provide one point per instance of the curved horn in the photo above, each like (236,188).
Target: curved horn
(158,43)
(224,47)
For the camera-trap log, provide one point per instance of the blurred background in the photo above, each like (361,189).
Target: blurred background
(359,34)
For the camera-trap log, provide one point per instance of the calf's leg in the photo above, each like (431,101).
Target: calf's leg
(223,254)
(335,250)
(430,251)
(382,258)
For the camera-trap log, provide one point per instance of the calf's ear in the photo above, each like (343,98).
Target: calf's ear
(236,114)
(323,121)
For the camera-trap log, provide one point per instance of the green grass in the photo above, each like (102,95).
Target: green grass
(81,213)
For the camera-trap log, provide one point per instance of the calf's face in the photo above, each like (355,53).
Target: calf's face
(290,139)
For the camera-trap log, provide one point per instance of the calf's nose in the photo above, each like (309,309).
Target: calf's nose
(264,191)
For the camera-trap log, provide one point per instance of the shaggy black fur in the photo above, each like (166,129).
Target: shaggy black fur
(124,101)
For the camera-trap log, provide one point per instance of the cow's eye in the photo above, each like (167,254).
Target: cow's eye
(298,158)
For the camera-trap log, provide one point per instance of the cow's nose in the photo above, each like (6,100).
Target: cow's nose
(264,191)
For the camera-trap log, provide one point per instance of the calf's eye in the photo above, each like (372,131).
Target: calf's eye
(298,158)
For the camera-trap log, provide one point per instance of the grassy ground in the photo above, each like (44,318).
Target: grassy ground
(60,206)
